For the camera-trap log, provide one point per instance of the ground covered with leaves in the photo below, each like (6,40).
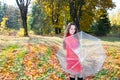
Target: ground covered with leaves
(34,58)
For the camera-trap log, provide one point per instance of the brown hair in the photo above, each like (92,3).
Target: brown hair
(68,27)
(67,32)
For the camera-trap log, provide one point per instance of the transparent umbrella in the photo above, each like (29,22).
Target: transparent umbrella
(82,54)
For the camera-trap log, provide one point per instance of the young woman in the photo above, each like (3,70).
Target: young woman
(72,60)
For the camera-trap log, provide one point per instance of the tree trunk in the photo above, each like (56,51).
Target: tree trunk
(56,31)
(76,12)
(59,30)
(24,22)
(23,6)
(55,17)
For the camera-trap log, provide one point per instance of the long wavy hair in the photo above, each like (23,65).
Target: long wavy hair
(66,33)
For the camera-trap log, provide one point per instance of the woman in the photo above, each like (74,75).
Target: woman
(70,43)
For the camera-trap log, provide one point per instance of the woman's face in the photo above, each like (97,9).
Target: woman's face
(72,29)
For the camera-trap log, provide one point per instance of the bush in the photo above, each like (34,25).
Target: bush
(102,27)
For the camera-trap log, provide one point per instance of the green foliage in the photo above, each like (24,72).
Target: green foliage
(13,58)
(44,59)
(100,74)
(1,11)
(59,74)
(58,13)
(9,19)
(18,64)
(3,23)
(12,46)
(115,30)
(37,19)
(115,21)
(13,14)
(22,59)
(20,32)
(47,15)
(102,27)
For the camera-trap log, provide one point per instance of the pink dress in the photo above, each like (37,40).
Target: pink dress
(73,63)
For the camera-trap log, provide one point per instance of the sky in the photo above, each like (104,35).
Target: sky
(9,2)
(117,8)
(117,2)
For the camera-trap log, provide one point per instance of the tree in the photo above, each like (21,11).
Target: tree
(53,10)
(23,6)
(76,11)
(13,15)
(37,18)
(83,12)
(115,22)
(3,24)
(2,10)
(55,15)
(103,25)
(92,10)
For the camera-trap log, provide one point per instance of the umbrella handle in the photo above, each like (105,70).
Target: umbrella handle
(76,78)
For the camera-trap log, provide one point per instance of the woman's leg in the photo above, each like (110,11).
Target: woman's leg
(80,78)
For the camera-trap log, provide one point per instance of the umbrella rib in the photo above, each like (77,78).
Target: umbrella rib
(74,65)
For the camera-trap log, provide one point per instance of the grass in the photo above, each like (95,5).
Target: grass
(15,62)
(110,39)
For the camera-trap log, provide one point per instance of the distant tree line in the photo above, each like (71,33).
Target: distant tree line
(50,16)
(12,14)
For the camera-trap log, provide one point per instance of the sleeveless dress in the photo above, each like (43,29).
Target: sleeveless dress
(72,60)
